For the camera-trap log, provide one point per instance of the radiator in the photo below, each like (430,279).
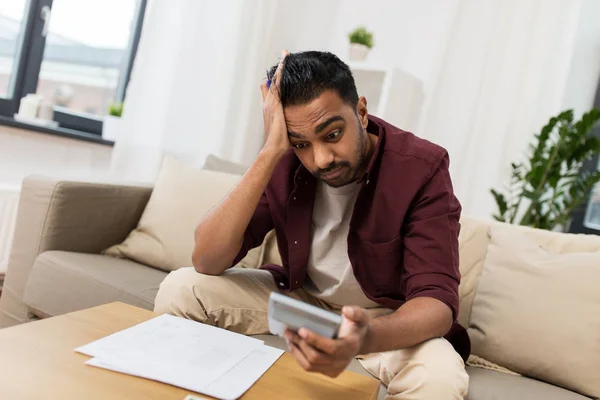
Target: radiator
(9,200)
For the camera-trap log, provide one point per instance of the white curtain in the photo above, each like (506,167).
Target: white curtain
(194,88)
(502,76)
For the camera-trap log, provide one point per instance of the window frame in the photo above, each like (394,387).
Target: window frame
(29,57)
(31,47)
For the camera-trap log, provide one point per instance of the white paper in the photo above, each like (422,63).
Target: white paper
(231,385)
(239,379)
(182,353)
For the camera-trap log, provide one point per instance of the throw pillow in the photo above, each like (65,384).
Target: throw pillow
(182,195)
(269,250)
(536,311)
(214,163)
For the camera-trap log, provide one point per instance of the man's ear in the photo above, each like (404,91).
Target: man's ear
(362,111)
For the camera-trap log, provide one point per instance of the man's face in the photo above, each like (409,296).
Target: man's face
(329,137)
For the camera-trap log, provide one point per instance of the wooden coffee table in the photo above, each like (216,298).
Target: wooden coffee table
(38,361)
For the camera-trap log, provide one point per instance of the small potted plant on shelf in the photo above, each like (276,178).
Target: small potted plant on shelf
(112,122)
(361,41)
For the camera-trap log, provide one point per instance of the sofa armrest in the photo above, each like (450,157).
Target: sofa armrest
(65,215)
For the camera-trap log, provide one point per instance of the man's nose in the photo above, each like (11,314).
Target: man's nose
(323,157)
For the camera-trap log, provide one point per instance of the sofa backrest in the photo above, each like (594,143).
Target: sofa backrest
(473,241)
(534,308)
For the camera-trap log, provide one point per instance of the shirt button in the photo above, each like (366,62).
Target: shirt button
(367,181)
(281,284)
(296,282)
(295,242)
(294,197)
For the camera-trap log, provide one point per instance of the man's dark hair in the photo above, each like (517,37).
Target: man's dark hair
(308,74)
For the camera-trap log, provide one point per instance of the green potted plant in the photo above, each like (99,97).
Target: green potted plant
(111,123)
(361,41)
(546,188)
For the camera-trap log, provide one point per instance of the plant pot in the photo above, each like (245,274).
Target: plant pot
(111,127)
(358,52)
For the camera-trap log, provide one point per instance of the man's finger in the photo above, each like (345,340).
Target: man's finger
(307,365)
(278,72)
(313,356)
(326,345)
(299,356)
(356,314)
(264,90)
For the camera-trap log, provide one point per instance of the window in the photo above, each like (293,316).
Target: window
(12,27)
(77,55)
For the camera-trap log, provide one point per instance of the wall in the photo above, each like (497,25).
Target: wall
(24,153)
(407,33)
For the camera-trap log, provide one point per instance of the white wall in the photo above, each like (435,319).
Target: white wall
(24,153)
(407,33)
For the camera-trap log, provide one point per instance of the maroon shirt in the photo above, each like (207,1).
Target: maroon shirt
(403,236)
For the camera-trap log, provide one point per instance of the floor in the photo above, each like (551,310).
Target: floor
(24,153)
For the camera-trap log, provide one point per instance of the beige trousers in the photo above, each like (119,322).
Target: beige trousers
(237,301)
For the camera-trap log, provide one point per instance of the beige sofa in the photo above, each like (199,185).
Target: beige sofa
(56,267)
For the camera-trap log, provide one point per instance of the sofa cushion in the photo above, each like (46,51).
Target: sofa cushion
(61,282)
(182,195)
(491,385)
(214,163)
(536,307)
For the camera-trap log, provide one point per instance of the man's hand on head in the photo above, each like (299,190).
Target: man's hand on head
(330,357)
(276,136)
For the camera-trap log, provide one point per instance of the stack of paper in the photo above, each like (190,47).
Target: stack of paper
(186,354)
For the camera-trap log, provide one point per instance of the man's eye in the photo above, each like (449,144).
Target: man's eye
(299,146)
(333,135)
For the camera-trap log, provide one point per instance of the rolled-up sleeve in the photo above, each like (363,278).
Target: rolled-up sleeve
(431,240)
(260,224)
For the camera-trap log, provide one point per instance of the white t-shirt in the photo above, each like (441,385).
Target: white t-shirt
(330,273)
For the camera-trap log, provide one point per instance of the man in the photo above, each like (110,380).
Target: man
(366,223)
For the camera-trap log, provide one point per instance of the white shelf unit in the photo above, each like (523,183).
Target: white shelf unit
(391,93)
